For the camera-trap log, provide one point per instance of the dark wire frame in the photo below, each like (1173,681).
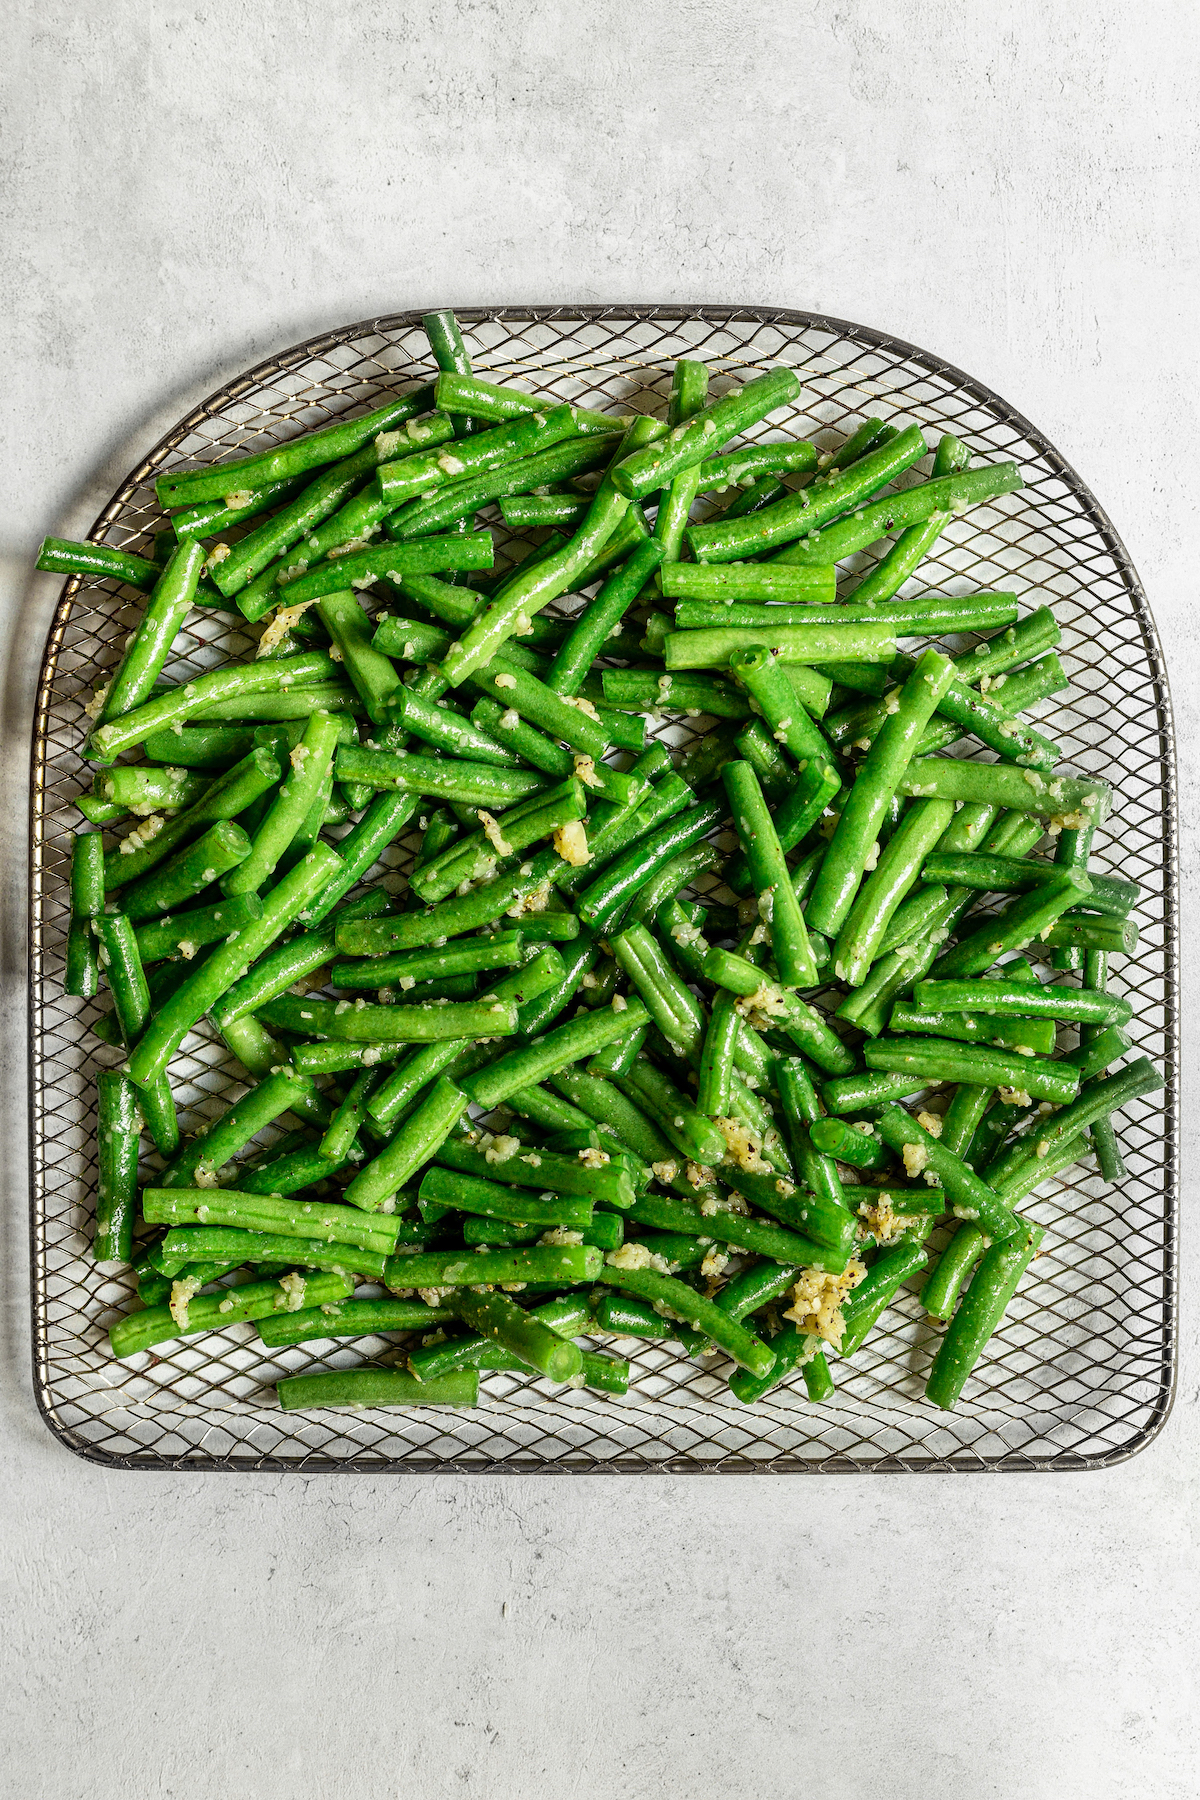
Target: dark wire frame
(1081,1373)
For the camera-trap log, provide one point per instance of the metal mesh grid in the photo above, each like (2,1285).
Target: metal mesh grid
(1080,1374)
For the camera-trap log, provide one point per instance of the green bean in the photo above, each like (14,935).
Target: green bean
(802,1022)
(999,784)
(803,644)
(209,517)
(770,877)
(625,1317)
(755,1287)
(445,1188)
(529,590)
(685,445)
(470,784)
(597,1098)
(99,812)
(261,562)
(970,1198)
(446,729)
(193,869)
(676,1298)
(464,498)
(1011,1000)
(1024,920)
(1014,874)
(913,545)
(534,1344)
(755,745)
(793,456)
(373,674)
(541,706)
(228,1306)
(565,1044)
(177,704)
(59,556)
(250,473)
(311,762)
(502,950)
(1097,1099)
(118,1127)
(850,1144)
(352,1318)
(716,1062)
(774,698)
(157,630)
(875,1293)
(805,512)
(556,1265)
(288,704)
(879,776)
(273,1213)
(939,1296)
(949,494)
(450,355)
(416,1141)
(82,974)
(474,858)
(524,511)
(688,1130)
(669,1002)
(227,964)
(460,393)
(1028,1036)
(896,871)
(361,848)
(1087,933)
(600,620)
(540,1170)
(144,790)
(131,1000)
(184,933)
(417,1070)
(823,1212)
(607,897)
(423,556)
(980,1311)
(421,476)
(941,1059)
(363,1388)
(713,590)
(186,1246)
(643,690)
(388,1024)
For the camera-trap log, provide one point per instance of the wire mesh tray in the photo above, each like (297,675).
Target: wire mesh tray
(1080,1373)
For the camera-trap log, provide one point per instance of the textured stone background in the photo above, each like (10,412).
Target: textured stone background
(189,187)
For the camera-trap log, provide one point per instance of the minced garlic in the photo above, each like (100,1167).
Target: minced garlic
(570,840)
(817,1301)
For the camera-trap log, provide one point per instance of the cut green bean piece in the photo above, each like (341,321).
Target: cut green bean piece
(942,1059)
(939,1296)
(227,964)
(352,1318)
(688,443)
(363,1388)
(970,1197)
(949,494)
(879,776)
(118,1128)
(678,1299)
(228,1306)
(980,1311)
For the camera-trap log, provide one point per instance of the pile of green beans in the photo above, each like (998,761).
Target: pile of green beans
(548,1089)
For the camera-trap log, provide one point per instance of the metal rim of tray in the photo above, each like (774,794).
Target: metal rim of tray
(1107,1410)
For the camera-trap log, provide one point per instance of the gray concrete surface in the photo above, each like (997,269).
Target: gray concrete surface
(191,186)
